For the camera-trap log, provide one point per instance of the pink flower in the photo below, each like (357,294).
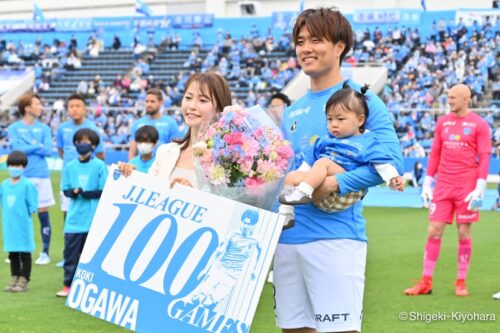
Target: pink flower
(282,164)
(253,181)
(250,147)
(268,171)
(207,156)
(246,165)
(285,151)
(234,138)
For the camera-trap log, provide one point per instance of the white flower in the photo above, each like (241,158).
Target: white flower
(199,148)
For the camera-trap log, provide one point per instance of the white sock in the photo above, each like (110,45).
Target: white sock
(305,188)
(286,209)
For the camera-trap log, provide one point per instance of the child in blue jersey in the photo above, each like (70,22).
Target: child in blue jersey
(344,148)
(77,112)
(19,200)
(33,138)
(146,138)
(82,181)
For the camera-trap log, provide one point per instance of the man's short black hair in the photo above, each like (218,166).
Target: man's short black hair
(78,97)
(283,97)
(17,158)
(147,133)
(86,133)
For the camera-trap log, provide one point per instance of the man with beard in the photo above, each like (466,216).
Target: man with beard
(166,125)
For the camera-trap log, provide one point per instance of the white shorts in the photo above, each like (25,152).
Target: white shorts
(320,285)
(64,202)
(45,194)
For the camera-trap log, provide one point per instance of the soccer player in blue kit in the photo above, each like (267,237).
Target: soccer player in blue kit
(33,138)
(319,267)
(77,112)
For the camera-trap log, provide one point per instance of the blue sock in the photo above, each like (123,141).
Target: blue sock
(46,230)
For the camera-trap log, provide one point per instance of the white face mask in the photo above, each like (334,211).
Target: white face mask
(145,148)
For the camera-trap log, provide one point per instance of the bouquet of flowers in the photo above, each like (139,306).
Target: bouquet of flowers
(241,155)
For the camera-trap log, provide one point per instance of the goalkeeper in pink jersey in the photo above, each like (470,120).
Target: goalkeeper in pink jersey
(458,162)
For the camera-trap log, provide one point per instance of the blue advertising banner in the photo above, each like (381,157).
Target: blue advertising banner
(193,21)
(376,16)
(188,21)
(84,24)
(410,17)
(112,23)
(152,22)
(28,26)
(175,260)
(479,16)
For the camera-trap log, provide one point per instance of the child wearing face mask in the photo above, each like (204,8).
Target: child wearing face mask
(82,181)
(146,138)
(19,199)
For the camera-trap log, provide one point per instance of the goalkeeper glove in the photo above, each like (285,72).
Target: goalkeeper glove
(427,190)
(475,198)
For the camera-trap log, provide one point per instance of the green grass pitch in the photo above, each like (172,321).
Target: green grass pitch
(395,251)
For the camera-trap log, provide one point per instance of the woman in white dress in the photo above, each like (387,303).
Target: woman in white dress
(205,95)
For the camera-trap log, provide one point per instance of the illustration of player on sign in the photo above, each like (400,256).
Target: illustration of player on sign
(233,256)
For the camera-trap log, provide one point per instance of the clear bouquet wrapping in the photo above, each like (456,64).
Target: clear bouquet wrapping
(241,155)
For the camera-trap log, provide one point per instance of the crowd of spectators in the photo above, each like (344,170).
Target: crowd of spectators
(248,63)
(420,68)
(49,61)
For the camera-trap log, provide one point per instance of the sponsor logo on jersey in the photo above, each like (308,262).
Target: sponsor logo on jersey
(467,216)
(299,112)
(331,317)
